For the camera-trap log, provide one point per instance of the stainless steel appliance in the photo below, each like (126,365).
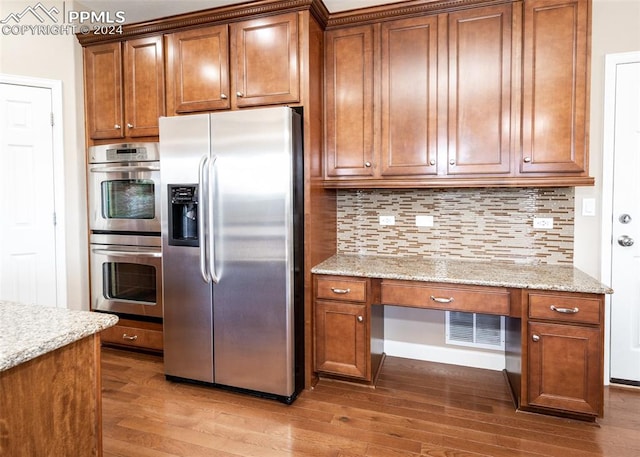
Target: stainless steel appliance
(124,219)
(232,249)
(126,274)
(124,188)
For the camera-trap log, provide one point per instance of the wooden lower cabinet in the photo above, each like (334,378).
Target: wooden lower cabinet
(135,334)
(565,368)
(51,405)
(341,339)
(348,331)
(564,354)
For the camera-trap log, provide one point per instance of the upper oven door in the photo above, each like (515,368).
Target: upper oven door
(124,197)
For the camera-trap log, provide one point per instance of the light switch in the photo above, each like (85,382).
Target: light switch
(424,221)
(588,206)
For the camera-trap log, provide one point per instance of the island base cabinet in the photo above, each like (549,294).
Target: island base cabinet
(51,405)
(565,367)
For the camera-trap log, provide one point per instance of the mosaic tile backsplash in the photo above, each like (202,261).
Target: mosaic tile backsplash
(479,224)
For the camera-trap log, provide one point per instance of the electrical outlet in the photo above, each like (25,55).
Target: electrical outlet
(543,222)
(424,221)
(387,220)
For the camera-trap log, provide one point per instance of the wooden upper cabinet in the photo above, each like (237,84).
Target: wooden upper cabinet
(479,117)
(143,86)
(555,86)
(265,59)
(349,102)
(103,91)
(198,70)
(124,88)
(409,98)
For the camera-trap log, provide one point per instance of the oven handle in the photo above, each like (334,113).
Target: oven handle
(111,253)
(122,169)
(202,214)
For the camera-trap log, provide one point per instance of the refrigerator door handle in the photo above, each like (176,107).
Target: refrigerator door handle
(203,185)
(211,198)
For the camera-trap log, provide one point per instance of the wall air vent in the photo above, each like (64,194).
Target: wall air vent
(475,330)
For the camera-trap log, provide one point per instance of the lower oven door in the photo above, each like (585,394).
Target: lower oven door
(127,279)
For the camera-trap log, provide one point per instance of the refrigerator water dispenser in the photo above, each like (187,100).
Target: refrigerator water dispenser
(183,215)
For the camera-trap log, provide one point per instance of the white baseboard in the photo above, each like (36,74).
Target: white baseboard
(493,360)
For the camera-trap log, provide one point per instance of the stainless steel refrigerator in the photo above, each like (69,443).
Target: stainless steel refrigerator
(232,249)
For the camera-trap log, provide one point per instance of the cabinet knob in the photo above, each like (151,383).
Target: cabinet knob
(432,162)
(452,162)
(239,94)
(367,164)
(223,96)
(117,127)
(129,126)
(535,338)
(527,160)
(129,337)
(360,319)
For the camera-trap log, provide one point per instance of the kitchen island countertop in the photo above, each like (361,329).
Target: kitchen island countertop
(28,331)
(565,278)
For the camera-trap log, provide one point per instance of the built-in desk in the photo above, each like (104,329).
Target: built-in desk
(555,321)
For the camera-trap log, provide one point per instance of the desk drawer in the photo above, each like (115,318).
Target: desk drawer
(566,308)
(471,299)
(341,288)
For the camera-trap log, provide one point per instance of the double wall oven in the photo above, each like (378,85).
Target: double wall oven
(124,220)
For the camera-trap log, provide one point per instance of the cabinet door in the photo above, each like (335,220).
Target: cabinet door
(265,57)
(103,91)
(555,99)
(341,339)
(409,97)
(198,70)
(349,103)
(144,86)
(565,367)
(479,133)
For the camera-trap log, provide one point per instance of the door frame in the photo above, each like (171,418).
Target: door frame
(58,174)
(608,145)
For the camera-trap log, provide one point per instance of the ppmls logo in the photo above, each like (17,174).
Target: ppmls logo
(40,20)
(39,12)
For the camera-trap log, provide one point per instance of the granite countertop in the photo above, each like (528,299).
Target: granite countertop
(564,278)
(28,331)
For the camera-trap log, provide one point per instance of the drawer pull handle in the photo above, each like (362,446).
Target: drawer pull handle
(442,300)
(340,291)
(564,310)
(129,337)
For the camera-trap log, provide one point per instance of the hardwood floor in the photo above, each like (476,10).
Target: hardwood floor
(417,409)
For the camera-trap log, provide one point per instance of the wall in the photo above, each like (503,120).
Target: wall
(59,57)
(614,29)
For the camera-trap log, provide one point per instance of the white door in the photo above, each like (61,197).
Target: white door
(27,227)
(625,250)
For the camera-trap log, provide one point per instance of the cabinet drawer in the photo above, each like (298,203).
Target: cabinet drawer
(133,337)
(472,299)
(341,288)
(559,307)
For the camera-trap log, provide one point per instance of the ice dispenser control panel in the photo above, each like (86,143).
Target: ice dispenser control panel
(183,215)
